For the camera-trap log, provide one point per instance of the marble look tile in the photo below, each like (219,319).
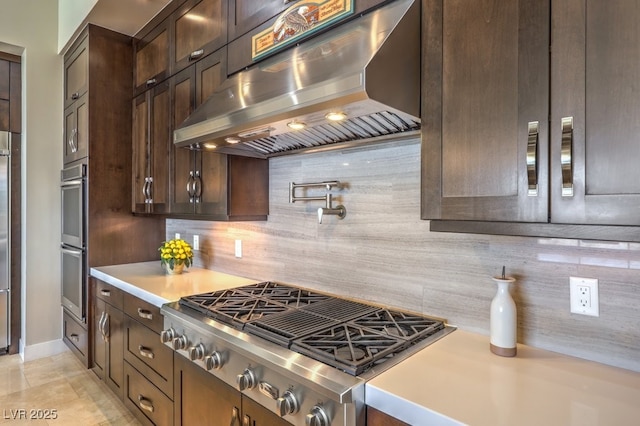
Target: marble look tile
(59,383)
(384,253)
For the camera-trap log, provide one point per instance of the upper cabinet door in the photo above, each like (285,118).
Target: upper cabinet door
(245,15)
(151,53)
(485,110)
(199,28)
(595,69)
(76,73)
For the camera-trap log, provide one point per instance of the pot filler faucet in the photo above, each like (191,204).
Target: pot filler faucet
(338,210)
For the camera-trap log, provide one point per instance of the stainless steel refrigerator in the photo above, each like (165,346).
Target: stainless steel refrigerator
(5,239)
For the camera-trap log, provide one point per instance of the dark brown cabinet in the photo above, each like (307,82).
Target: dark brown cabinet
(199,396)
(151,58)
(76,130)
(148,363)
(151,150)
(102,116)
(486,73)
(245,15)
(507,141)
(201,180)
(76,116)
(199,29)
(378,418)
(108,336)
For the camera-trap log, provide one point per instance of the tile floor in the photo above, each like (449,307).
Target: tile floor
(56,386)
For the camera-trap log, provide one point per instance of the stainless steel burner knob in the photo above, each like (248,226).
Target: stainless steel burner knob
(196,352)
(167,335)
(180,342)
(287,404)
(317,417)
(213,361)
(246,380)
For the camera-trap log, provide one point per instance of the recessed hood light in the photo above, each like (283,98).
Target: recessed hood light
(335,116)
(296,125)
(209,145)
(232,140)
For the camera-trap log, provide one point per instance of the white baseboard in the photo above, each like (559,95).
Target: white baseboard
(41,350)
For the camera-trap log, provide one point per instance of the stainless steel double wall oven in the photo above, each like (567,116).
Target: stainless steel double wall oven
(73,239)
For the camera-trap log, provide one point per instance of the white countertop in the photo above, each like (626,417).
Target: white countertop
(461,381)
(456,380)
(149,282)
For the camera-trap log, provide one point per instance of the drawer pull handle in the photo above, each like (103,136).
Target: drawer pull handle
(75,96)
(566,161)
(105,293)
(151,82)
(145,352)
(74,337)
(143,313)
(145,404)
(196,54)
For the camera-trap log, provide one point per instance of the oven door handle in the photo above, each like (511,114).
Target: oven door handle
(66,250)
(71,183)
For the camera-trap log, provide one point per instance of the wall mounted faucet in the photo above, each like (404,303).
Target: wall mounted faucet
(339,210)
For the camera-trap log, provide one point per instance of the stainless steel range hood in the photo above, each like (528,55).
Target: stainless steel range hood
(367,68)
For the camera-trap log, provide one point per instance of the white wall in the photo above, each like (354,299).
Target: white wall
(33,26)
(71,14)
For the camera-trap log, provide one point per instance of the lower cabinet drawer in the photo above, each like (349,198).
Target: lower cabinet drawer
(144,400)
(144,312)
(75,335)
(144,351)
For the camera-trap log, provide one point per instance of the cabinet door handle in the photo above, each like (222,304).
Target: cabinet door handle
(532,158)
(196,54)
(246,420)
(151,82)
(190,186)
(150,191)
(145,190)
(72,141)
(146,352)
(145,404)
(143,313)
(101,325)
(566,160)
(106,327)
(74,337)
(197,186)
(235,417)
(75,96)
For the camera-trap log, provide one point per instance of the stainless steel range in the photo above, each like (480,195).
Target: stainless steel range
(304,355)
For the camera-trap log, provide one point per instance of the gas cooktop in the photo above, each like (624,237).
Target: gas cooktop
(344,334)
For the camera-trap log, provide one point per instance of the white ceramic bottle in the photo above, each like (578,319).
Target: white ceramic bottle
(503,319)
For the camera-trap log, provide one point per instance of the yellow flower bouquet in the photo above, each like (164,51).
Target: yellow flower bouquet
(175,254)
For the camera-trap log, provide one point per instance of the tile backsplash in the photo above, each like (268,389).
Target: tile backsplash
(382,252)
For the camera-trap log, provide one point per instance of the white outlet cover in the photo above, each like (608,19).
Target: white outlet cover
(592,308)
(238,248)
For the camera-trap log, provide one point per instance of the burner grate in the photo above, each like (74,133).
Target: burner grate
(287,295)
(349,348)
(400,324)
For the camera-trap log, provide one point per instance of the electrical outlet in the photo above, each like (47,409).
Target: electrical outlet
(196,242)
(238,249)
(584,296)
(177,235)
